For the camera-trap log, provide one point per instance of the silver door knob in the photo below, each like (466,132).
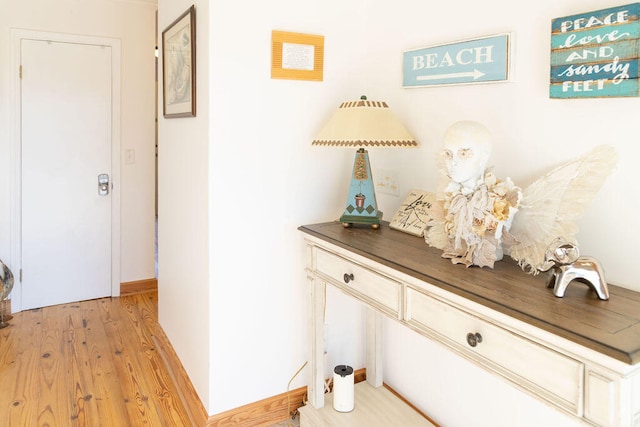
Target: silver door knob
(103,184)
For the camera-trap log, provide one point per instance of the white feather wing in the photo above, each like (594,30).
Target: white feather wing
(552,205)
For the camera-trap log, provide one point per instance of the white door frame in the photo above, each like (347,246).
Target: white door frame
(17,35)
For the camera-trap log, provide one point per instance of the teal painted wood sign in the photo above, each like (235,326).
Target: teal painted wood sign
(481,60)
(595,54)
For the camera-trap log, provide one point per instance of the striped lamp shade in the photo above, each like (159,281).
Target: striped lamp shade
(364,123)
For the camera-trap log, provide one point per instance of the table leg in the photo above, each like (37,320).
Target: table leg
(374,348)
(315,387)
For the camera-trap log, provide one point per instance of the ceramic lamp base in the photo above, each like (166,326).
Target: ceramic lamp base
(362,207)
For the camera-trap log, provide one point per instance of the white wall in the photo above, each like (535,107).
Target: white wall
(134,25)
(231,259)
(266,180)
(183,212)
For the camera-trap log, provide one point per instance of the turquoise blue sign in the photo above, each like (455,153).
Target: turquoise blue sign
(595,54)
(482,60)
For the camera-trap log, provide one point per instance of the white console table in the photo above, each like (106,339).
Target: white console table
(577,353)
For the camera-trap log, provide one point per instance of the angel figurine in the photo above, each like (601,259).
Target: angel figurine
(480,217)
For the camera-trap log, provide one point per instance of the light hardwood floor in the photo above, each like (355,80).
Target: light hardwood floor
(91,363)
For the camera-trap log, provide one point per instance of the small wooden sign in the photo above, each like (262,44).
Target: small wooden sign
(413,216)
(595,54)
(481,60)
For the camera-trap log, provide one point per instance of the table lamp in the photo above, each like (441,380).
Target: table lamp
(359,124)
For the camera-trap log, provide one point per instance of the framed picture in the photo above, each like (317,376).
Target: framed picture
(179,66)
(296,56)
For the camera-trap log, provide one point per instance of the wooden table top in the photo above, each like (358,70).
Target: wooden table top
(610,327)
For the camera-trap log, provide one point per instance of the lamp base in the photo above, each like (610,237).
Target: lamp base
(362,207)
(348,220)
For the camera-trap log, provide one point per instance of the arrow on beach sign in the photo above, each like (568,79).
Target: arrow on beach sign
(475,74)
(482,60)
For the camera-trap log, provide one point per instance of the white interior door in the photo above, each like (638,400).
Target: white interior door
(66,128)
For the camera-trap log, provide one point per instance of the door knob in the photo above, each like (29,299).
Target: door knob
(103,184)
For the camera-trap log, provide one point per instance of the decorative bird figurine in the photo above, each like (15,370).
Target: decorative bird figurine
(6,285)
(480,217)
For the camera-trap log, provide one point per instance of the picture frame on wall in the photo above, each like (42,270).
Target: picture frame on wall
(297,56)
(179,66)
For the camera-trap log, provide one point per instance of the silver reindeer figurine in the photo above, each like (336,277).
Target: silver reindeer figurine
(566,265)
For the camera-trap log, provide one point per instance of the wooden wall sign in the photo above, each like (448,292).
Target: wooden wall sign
(595,54)
(481,60)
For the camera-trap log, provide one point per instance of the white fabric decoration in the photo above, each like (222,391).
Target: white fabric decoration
(478,216)
(552,205)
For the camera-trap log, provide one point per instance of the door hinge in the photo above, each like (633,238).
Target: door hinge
(20,275)
(20,72)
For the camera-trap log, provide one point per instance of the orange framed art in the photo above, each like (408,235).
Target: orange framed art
(296,56)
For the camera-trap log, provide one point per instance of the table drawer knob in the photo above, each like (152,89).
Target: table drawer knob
(474,339)
(348,277)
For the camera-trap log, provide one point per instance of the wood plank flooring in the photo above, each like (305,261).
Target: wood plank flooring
(90,363)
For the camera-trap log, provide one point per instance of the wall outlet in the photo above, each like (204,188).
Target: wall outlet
(386,182)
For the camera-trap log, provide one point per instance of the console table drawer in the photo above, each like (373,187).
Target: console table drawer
(543,371)
(381,291)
